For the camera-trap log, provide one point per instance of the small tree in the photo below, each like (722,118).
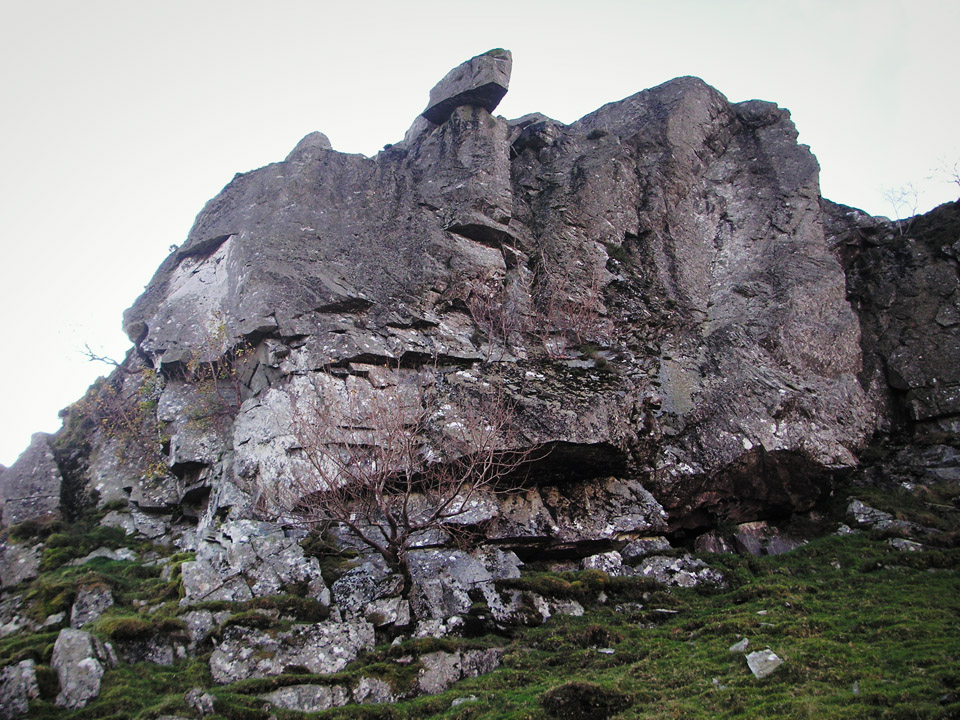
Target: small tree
(397,465)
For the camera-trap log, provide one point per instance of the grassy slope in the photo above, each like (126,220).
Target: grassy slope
(843,611)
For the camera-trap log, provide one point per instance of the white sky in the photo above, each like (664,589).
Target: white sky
(119,119)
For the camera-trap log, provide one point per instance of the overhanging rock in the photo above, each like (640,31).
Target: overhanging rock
(482,81)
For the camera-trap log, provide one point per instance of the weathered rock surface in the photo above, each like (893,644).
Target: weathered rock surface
(308,698)
(80,660)
(18,686)
(90,604)
(481,81)
(686,571)
(18,562)
(247,559)
(30,488)
(321,648)
(763,662)
(904,285)
(680,234)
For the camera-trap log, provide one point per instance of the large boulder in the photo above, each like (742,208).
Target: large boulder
(80,660)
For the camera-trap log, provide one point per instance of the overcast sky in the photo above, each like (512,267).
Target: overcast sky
(119,119)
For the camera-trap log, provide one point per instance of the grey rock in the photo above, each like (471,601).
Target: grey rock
(203,702)
(608,562)
(30,488)
(373,690)
(247,559)
(906,290)
(444,580)
(905,545)
(636,228)
(480,81)
(308,698)
(18,686)
(90,604)
(740,646)
(685,571)
(388,611)
(439,671)
(18,562)
(119,555)
(321,648)
(362,585)
(636,549)
(80,660)
(763,662)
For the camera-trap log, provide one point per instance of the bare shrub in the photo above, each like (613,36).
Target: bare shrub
(402,464)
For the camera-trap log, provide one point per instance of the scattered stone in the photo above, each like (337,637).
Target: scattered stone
(439,671)
(740,646)
(90,604)
(905,545)
(481,81)
(18,686)
(461,700)
(370,690)
(763,662)
(80,660)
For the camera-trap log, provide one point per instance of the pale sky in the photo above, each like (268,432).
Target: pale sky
(121,118)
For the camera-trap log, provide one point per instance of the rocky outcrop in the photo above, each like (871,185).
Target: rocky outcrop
(30,488)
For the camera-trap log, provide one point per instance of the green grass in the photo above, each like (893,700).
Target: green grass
(844,612)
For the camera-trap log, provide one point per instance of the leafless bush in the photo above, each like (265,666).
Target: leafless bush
(570,307)
(396,465)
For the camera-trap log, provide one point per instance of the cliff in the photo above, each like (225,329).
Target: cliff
(677,332)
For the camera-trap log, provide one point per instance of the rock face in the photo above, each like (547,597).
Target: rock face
(30,488)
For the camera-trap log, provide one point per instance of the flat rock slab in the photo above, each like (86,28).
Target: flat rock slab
(481,81)
(763,663)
